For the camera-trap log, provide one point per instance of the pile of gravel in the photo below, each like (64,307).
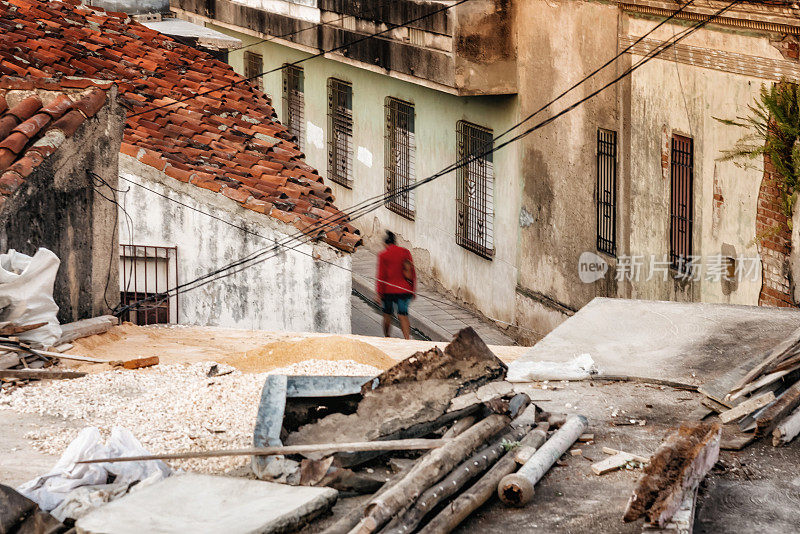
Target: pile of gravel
(169,408)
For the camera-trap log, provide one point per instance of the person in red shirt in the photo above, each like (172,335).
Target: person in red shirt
(396,285)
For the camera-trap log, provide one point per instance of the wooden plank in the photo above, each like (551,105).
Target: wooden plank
(774,356)
(86,327)
(773,415)
(39,374)
(758,384)
(12,329)
(327,448)
(746,407)
(139,363)
(9,360)
(58,355)
(683,520)
(612,463)
(638,458)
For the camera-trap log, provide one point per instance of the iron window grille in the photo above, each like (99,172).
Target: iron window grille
(149,271)
(607,191)
(475,213)
(253,67)
(340,132)
(399,157)
(681,202)
(294,102)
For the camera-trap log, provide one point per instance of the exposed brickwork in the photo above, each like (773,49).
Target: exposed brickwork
(788,47)
(774,241)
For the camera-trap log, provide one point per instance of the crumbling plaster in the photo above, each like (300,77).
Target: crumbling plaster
(293,290)
(60,206)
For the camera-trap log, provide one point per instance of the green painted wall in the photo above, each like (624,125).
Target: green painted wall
(488,284)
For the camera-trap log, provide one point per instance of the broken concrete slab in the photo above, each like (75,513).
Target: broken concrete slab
(204,503)
(416,391)
(684,342)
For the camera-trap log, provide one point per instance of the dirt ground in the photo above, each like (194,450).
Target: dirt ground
(754,490)
(188,344)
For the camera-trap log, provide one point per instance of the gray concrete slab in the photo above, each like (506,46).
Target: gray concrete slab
(19,461)
(209,504)
(685,342)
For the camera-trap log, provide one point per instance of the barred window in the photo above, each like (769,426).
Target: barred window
(293,102)
(475,190)
(607,191)
(253,67)
(681,202)
(399,156)
(340,131)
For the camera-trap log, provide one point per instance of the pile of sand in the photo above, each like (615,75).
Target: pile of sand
(286,353)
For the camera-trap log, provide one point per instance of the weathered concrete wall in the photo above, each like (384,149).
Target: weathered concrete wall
(132,7)
(668,97)
(58,208)
(558,44)
(486,284)
(290,291)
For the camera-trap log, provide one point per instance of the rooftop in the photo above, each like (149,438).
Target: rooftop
(228,141)
(36,116)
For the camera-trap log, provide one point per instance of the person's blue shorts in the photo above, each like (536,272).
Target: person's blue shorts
(390,302)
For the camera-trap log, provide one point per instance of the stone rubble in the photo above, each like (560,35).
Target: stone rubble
(169,408)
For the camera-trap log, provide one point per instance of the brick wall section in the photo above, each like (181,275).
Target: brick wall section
(774,241)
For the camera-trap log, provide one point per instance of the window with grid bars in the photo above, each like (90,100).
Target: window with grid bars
(294,102)
(607,191)
(399,156)
(253,67)
(475,189)
(681,202)
(340,131)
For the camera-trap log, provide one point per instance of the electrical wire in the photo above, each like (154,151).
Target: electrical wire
(365,207)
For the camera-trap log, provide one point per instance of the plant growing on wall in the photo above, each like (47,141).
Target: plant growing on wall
(773,130)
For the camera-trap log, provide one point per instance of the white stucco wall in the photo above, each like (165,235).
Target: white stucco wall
(291,291)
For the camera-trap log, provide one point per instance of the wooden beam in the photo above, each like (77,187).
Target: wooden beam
(86,327)
(679,464)
(39,374)
(772,358)
(787,429)
(771,417)
(389,445)
(747,407)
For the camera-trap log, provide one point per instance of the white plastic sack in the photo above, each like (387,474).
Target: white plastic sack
(49,490)
(26,294)
(577,368)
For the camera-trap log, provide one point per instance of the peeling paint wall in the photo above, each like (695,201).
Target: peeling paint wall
(58,208)
(669,97)
(431,237)
(292,291)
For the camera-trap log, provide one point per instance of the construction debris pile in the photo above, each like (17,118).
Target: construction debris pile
(762,397)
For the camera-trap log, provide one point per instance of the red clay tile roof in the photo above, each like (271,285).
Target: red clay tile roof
(35,118)
(229,141)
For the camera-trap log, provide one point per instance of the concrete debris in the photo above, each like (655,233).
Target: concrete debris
(416,391)
(578,368)
(202,503)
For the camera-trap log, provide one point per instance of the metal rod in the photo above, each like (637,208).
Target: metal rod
(388,445)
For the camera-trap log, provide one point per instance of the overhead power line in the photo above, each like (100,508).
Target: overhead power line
(366,206)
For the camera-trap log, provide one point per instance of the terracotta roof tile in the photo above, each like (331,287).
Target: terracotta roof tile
(228,141)
(28,131)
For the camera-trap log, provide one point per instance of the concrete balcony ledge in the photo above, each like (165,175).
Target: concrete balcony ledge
(466,50)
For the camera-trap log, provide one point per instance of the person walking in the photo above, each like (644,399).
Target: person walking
(396,285)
